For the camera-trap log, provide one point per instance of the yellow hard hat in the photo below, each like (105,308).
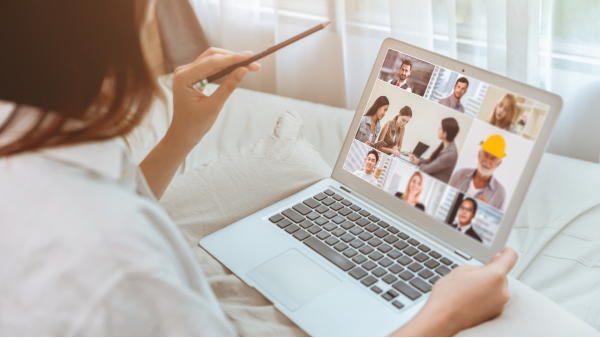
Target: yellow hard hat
(495,145)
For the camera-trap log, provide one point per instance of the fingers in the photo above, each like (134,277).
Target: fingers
(231,82)
(505,261)
(253,67)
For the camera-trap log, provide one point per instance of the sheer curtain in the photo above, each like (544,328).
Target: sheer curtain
(552,44)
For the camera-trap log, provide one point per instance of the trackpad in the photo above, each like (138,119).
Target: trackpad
(293,279)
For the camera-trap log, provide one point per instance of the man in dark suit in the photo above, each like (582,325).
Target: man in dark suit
(403,74)
(466,214)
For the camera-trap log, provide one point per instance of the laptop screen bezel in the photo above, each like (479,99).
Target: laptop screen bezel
(414,216)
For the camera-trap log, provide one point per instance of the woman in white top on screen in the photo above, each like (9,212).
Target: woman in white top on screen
(504,113)
(85,248)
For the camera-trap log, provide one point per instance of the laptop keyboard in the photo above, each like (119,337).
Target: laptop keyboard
(364,246)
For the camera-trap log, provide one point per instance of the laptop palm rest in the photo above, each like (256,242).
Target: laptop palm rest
(293,279)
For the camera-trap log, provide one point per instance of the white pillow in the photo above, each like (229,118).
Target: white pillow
(236,185)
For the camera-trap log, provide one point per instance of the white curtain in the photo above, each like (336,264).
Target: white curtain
(552,44)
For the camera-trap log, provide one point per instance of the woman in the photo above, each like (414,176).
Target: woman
(393,132)
(413,190)
(441,163)
(369,126)
(85,248)
(504,113)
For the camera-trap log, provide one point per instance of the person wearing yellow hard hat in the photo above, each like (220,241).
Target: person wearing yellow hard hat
(479,182)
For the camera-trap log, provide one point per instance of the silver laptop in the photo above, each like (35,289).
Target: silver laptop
(357,254)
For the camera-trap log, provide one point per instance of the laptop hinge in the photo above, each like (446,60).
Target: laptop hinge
(462,254)
(345,189)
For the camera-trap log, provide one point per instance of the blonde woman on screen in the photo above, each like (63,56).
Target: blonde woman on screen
(504,113)
(413,190)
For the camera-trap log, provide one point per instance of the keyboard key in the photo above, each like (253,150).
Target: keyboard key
(391,239)
(432,264)
(372,218)
(376,290)
(420,285)
(383,224)
(321,221)
(357,243)
(329,192)
(385,262)
(381,233)
(358,273)
(403,236)
(446,261)
(321,209)
(336,206)
(356,231)
(328,201)
(330,227)
(395,269)
(276,218)
(350,253)
(347,238)
(320,196)
(435,255)
(353,217)
(323,235)
(393,230)
(413,241)
(454,266)
(337,197)
(406,275)
(372,227)
(375,242)
(340,247)
(442,270)
(294,216)
(314,229)
(366,236)
(434,279)
(332,241)
(414,267)
(355,208)
(387,296)
(330,214)
(301,235)
(345,212)
(400,245)
(365,250)
(359,259)
(283,223)
(362,222)
(302,209)
(306,224)
(425,274)
(379,272)
(375,256)
(365,213)
(292,228)
(313,216)
(384,248)
(370,280)
(389,279)
(406,290)
(347,225)
(404,260)
(421,257)
(338,232)
(424,248)
(337,219)
(312,203)
(397,304)
(410,251)
(369,265)
(346,203)
(394,254)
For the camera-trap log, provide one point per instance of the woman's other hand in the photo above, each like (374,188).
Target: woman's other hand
(412,159)
(396,151)
(467,296)
(193,112)
(370,144)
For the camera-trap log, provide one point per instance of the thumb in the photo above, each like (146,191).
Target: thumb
(232,81)
(506,260)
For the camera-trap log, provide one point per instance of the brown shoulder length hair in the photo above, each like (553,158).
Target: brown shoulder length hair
(71,60)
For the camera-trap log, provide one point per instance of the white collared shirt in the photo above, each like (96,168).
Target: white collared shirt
(465,228)
(86,250)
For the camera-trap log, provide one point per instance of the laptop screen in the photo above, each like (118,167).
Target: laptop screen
(481,137)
